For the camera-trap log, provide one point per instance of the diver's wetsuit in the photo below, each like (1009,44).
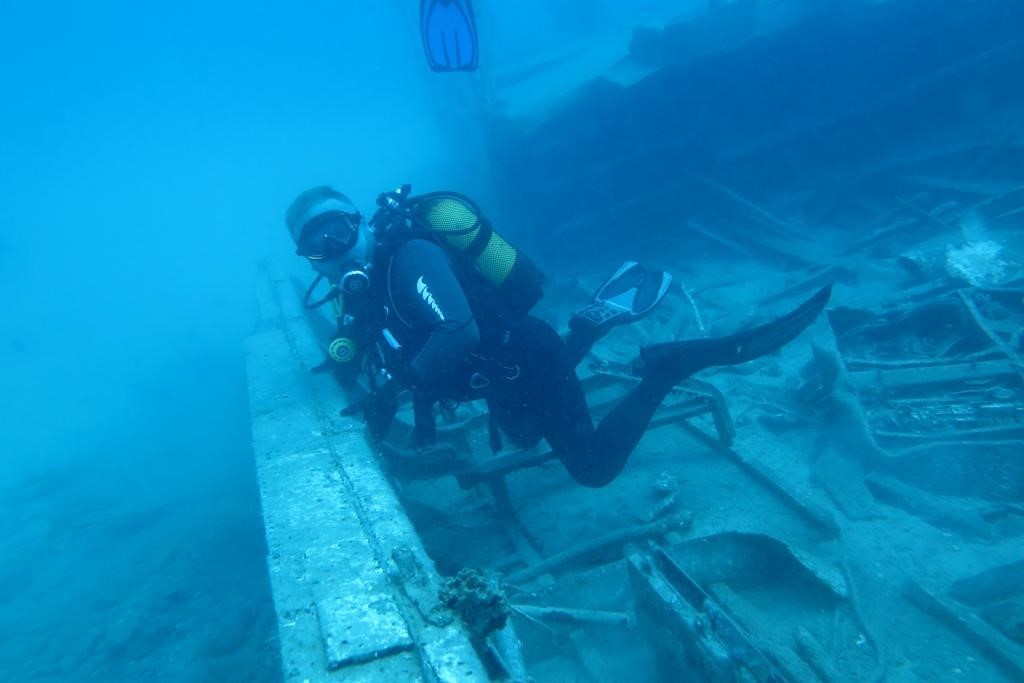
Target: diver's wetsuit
(527,373)
(538,397)
(547,401)
(430,317)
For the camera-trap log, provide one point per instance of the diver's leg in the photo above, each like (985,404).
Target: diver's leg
(684,358)
(509,409)
(546,400)
(552,393)
(578,343)
(519,406)
(595,458)
(564,418)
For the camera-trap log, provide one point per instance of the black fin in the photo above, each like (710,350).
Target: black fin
(448,30)
(679,360)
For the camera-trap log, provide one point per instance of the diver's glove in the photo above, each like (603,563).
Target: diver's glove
(345,373)
(379,408)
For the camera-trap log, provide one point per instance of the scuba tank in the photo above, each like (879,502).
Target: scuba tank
(455,222)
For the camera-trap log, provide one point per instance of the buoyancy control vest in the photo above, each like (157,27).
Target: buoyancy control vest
(503,277)
(500,281)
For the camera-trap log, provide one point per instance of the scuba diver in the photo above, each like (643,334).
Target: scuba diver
(430,299)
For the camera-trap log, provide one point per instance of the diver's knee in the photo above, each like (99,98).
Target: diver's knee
(589,476)
(537,336)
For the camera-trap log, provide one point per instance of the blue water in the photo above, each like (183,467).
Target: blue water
(148,152)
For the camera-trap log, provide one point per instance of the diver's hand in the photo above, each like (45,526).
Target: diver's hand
(379,409)
(328,365)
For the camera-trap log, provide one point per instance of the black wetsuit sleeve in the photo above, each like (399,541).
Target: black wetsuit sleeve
(428,298)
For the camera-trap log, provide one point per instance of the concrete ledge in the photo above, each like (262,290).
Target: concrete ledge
(356,595)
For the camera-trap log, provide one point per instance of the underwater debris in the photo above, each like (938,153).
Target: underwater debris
(666,492)
(1008,617)
(477,597)
(697,317)
(977,263)
(812,652)
(575,617)
(968,627)
(506,648)
(610,543)
(697,637)
(666,485)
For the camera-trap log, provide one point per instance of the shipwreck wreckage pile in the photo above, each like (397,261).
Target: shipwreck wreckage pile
(850,510)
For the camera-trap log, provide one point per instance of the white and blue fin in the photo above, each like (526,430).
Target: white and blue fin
(628,295)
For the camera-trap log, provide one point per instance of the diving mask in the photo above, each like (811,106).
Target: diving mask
(329,235)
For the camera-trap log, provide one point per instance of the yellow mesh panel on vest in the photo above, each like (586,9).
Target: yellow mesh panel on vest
(448,215)
(497,259)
